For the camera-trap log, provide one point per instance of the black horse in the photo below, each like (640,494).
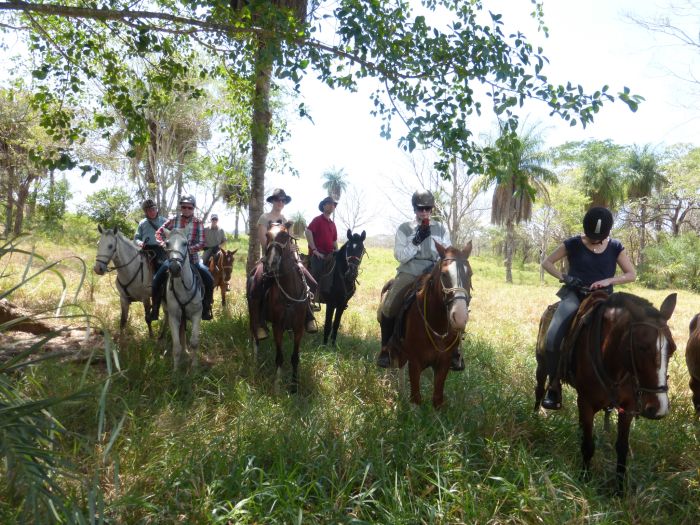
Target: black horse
(344,281)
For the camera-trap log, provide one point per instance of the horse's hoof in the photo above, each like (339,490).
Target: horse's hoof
(311,326)
(383,360)
(261,333)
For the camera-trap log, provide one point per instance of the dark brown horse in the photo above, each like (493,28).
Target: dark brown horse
(287,297)
(433,322)
(344,280)
(220,266)
(619,348)
(692,359)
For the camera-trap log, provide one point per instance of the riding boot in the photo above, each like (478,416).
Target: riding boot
(387,329)
(456,361)
(156,298)
(310,326)
(552,399)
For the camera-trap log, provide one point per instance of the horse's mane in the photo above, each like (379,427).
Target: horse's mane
(637,306)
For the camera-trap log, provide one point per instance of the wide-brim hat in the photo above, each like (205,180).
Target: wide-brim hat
(327,200)
(278,193)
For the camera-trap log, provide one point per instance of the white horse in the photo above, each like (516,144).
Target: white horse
(183,296)
(134,274)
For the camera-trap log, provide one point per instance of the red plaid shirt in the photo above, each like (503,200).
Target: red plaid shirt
(196,240)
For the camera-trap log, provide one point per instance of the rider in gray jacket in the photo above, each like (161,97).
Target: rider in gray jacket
(414,248)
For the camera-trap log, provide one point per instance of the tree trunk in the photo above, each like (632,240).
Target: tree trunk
(642,231)
(262,117)
(235,229)
(22,194)
(510,241)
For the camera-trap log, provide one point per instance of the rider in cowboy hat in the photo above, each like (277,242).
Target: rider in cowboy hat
(145,236)
(322,237)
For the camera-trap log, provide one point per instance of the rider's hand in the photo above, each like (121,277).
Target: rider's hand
(571,281)
(422,233)
(601,284)
(318,254)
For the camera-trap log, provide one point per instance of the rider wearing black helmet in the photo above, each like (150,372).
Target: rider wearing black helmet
(145,236)
(592,260)
(194,229)
(415,250)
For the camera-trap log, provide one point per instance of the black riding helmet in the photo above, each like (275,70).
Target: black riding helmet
(422,198)
(597,223)
(148,203)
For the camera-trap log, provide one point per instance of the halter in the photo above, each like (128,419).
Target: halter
(137,273)
(638,389)
(276,274)
(449,296)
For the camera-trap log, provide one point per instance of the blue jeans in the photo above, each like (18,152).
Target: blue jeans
(561,320)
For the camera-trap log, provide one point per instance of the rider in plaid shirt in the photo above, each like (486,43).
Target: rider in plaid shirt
(194,229)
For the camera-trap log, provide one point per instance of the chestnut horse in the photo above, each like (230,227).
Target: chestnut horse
(287,297)
(432,323)
(220,266)
(692,359)
(620,347)
(344,280)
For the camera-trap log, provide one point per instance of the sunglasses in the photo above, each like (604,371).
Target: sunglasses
(187,207)
(424,208)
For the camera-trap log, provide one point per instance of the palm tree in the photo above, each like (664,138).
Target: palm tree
(644,178)
(335,183)
(519,169)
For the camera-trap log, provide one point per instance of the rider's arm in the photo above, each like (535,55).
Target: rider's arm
(629,274)
(404,249)
(549,263)
(138,236)
(167,225)
(262,235)
(197,237)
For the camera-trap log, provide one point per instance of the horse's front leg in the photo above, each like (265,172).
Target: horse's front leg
(336,322)
(223,294)
(328,322)
(695,389)
(298,333)
(440,374)
(194,337)
(540,378)
(624,420)
(124,304)
(414,372)
(278,333)
(174,322)
(585,419)
(147,315)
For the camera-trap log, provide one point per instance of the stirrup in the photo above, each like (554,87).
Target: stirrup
(261,333)
(552,399)
(383,359)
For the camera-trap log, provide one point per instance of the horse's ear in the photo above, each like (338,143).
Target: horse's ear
(668,306)
(694,322)
(349,234)
(440,248)
(467,250)
(234,251)
(363,235)
(288,225)
(99,228)
(116,229)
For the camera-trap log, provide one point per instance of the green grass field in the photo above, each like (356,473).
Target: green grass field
(219,446)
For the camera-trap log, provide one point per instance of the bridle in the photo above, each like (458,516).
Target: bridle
(639,390)
(291,247)
(449,296)
(181,259)
(99,258)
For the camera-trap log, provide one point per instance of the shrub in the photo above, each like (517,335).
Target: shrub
(673,263)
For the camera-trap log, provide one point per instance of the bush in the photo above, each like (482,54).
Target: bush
(673,263)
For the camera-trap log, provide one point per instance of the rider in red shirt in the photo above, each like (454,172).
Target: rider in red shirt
(322,237)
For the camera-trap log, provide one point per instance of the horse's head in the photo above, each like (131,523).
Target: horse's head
(106,248)
(354,250)
(455,278)
(646,345)
(228,263)
(279,241)
(177,248)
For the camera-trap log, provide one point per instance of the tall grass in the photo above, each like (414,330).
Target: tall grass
(219,446)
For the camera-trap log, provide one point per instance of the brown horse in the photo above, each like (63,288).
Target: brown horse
(287,297)
(619,348)
(220,267)
(692,359)
(432,323)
